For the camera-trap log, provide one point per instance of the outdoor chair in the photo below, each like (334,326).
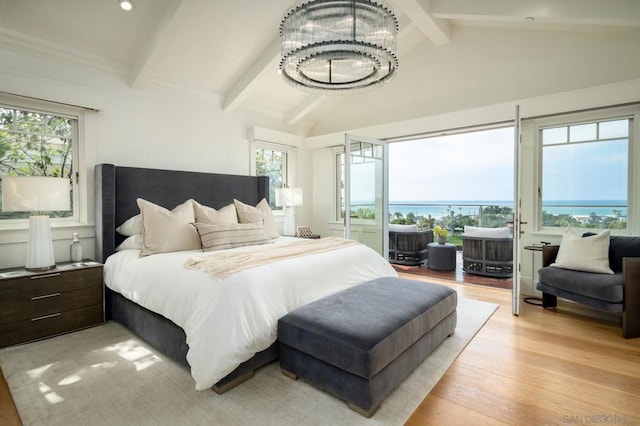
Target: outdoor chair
(408,245)
(487,251)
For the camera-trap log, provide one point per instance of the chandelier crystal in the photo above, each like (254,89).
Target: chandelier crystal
(334,46)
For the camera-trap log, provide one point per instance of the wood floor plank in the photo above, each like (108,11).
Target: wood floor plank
(565,366)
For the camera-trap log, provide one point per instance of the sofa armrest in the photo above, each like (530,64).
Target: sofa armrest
(631,313)
(549,253)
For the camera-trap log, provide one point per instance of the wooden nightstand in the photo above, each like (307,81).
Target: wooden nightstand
(34,305)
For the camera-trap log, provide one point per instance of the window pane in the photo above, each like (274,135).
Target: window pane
(39,145)
(583,132)
(555,135)
(273,164)
(6,118)
(585,185)
(614,129)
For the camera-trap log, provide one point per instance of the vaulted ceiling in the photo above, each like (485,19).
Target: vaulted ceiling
(453,54)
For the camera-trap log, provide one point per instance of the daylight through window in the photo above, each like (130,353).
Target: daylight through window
(35,143)
(585,174)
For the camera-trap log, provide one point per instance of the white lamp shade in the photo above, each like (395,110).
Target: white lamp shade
(35,193)
(288,197)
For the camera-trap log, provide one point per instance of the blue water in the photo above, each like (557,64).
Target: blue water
(438,209)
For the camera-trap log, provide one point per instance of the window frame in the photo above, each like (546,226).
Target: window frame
(580,118)
(288,178)
(79,193)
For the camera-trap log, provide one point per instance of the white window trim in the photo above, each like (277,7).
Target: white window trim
(80,190)
(633,179)
(290,167)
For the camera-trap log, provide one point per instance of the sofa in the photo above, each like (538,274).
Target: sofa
(487,251)
(408,245)
(612,285)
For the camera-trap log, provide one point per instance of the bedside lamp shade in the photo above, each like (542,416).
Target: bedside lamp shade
(289,198)
(36,194)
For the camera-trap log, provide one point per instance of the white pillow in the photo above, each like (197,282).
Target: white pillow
(205,214)
(133,242)
(396,227)
(260,213)
(480,232)
(131,226)
(166,231)
(588,254)
(226,236)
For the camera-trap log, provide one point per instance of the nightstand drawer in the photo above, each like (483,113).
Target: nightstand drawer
(49,283)
(49,325)
(27,305)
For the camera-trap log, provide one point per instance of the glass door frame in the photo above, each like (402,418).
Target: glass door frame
(384,222)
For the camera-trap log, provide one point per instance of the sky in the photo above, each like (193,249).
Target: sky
(462,167)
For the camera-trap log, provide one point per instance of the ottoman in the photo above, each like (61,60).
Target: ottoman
(360,343)
(442,257)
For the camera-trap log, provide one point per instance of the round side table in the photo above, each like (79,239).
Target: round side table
(441,257)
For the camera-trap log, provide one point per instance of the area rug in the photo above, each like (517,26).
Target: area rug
(105,375)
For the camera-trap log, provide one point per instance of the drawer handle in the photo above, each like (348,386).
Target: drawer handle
(45,317)
(45,296)
(37,277)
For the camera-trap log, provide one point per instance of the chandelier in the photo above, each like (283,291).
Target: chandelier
(334,46)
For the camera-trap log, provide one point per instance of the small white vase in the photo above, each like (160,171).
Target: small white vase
(442,240)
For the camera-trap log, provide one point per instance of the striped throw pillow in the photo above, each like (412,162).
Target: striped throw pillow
(226,236)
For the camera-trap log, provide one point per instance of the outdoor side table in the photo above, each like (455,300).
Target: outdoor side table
(441,257)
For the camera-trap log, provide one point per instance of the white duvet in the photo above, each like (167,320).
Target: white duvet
(226,322)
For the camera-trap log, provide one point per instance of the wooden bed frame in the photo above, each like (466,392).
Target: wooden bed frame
(116,191)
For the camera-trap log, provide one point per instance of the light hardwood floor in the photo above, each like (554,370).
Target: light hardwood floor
(571,366)
(542,367)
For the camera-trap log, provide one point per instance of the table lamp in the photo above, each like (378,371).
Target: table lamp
(289,198)
(37,194)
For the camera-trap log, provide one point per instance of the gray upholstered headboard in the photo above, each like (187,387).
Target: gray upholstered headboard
(117,189)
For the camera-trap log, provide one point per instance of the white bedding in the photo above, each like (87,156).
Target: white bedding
(226,322)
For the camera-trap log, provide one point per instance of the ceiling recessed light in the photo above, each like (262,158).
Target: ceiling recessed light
(126,5)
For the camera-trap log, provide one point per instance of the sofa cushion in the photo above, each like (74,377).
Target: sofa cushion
(622,247)
(598,286)
(480,232)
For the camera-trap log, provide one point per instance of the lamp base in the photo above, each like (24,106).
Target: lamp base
(40,246)
(40,269)
(289,222)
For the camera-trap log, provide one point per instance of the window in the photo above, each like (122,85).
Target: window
(36,143)
(585,174)
(272,162)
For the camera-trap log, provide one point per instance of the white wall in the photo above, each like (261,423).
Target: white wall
(149,128)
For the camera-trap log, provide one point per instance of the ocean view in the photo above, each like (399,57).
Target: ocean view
(438,209)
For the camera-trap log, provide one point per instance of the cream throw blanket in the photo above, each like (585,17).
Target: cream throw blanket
(222,264)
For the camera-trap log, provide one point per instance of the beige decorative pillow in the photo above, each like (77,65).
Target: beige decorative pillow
(205,214)
(226,236)
(131,226)
(588,254)
(166,231)
(260,213)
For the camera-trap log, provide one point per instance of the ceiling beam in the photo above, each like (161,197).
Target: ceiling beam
(174,18)
(418,11)
(267,62)
(587,12)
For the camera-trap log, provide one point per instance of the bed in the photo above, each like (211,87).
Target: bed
(158,321)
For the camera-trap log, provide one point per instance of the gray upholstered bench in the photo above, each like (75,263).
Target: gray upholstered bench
(360,343)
